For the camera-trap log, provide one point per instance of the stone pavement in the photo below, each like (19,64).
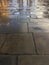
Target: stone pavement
(24,42)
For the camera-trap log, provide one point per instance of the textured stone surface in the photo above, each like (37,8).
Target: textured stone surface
(13,27)
(19,44)
(7,60)
(39,27)
(33,60)
(42,42)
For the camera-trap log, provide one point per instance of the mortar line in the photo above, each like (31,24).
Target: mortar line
(3,42)
(28,27)
(35,44)
(16,54)
(17,60)
(3,54)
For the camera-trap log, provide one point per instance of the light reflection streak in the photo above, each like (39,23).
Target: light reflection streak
(3,8)
(37,7)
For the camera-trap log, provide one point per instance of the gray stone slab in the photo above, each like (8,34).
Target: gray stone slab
(7,60)
(2,39)
(13,27)
(33,60)
(19,44)
(38,27)
(42,42)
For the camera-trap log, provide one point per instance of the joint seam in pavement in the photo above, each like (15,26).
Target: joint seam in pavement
(35,44)
(16,54)
(27,27)
(3,42)
(17,60)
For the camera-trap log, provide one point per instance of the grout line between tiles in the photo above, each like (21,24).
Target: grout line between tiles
(35,44)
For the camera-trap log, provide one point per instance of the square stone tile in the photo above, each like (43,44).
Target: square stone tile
(42,42)
(13,27)
(38,27)
(19,44)
(33,60)
(7,60)
(2,39)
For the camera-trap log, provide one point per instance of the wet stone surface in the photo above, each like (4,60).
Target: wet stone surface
(33,60)
(18,44)
(16,19)
(13,27)
(39,27)
(42,42)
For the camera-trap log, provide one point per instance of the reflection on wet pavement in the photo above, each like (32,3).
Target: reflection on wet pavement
(24,8)
(43,9)
(13,28)
(13,12)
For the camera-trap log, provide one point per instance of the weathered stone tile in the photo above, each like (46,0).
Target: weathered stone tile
(2,39)
(19,44)
(18,27)
(13,27)
(33,60)
(38,27)
(7,60)
(42,42)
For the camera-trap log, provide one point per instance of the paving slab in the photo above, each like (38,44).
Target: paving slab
(33,60)
(42,42)
(19,44)
(38,27)
(13,27)
(7,60)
